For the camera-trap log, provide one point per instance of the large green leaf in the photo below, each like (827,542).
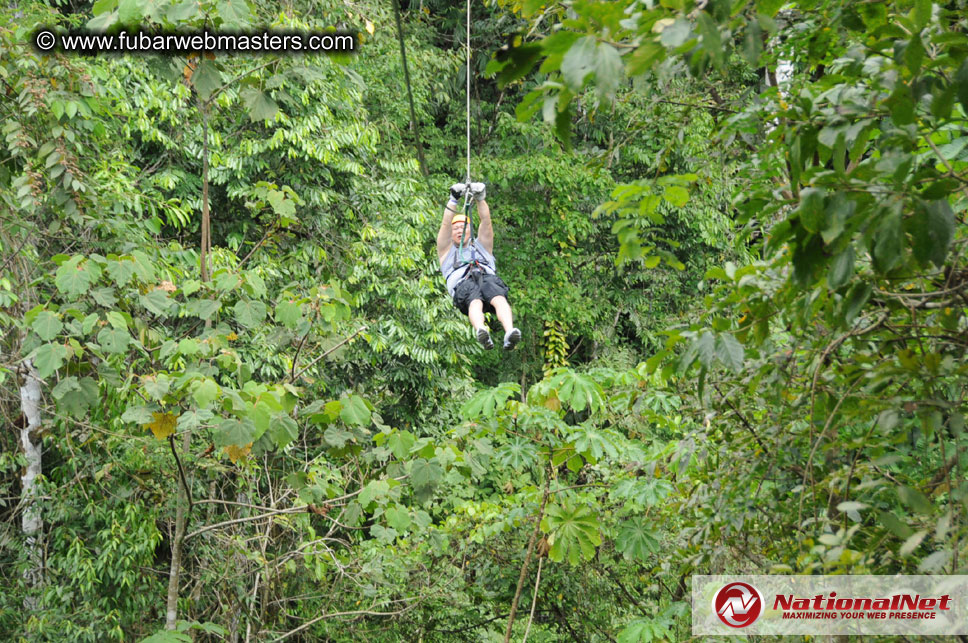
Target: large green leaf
(74,277)
(730,352)
(578,391)
(260,106)
(573,532)
(487,402)
(48,358)
(355,411)
(579,62)
(932,228)
(518,453)
(76,395)
(250,313)
(235,432)
(204,392)
(206,78)
(593,442)
(398,518)
(288,313)
(636,540)
(113,340)
(283,430)
(46,324)
(425,474)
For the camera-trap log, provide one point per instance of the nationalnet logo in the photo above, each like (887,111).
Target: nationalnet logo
(829,605)
(738,604)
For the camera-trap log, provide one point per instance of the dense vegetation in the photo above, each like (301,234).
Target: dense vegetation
(735,237)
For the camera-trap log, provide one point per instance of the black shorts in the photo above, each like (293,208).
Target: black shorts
(489,287)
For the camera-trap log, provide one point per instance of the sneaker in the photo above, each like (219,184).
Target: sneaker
(484,338)
(511,339)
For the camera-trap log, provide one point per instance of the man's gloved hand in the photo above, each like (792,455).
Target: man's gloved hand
(478,191)
(457,191)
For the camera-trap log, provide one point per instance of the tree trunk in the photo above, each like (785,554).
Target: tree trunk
(184,499)
(30,441)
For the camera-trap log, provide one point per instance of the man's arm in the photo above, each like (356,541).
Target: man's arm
(443,235)
(485,232)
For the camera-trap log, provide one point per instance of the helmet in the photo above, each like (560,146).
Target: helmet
(459,218)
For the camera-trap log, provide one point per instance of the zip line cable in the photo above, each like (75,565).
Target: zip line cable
(468,225)
(468,92)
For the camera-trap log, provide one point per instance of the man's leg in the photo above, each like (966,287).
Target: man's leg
(475,313)
(503,311)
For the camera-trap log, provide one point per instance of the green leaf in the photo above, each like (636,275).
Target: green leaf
(730,352)
(167,636)
(46,325)
(888,243)
(398,518)
(73,277)
(841,269)
(636,540)
(912,543)
(158,302)
(117,320)
(259,105)
(204,308)
(961,82)
(574,532)
(182,13)
(608,69)
(856,298)
(289,314)
(424,474)
(676,34)
(101,6)
(139,414)
(374,490)
(204,392)
(76,395)
(915,500)
(283,430)
(130,12)
(932,227)
(121,271)
(518,453)
(188,347)
(400,443)
(811,208)
(592,442)
(578,391)
(914,54)
(235,432)
(206,78)
(113,341)
(894,525)
(645,493)
(579,62)
(337,437)
(487,402)
(676,195)
(156,386)
(250,313)
(355,411)
(386,535)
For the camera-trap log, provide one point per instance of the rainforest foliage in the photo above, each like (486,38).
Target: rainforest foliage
(735,238)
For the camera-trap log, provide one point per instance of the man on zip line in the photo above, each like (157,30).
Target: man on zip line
(470,268)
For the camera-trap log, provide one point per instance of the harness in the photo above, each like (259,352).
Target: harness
(468,260)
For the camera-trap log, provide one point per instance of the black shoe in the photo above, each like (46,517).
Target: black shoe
(511,339)
(484,338)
